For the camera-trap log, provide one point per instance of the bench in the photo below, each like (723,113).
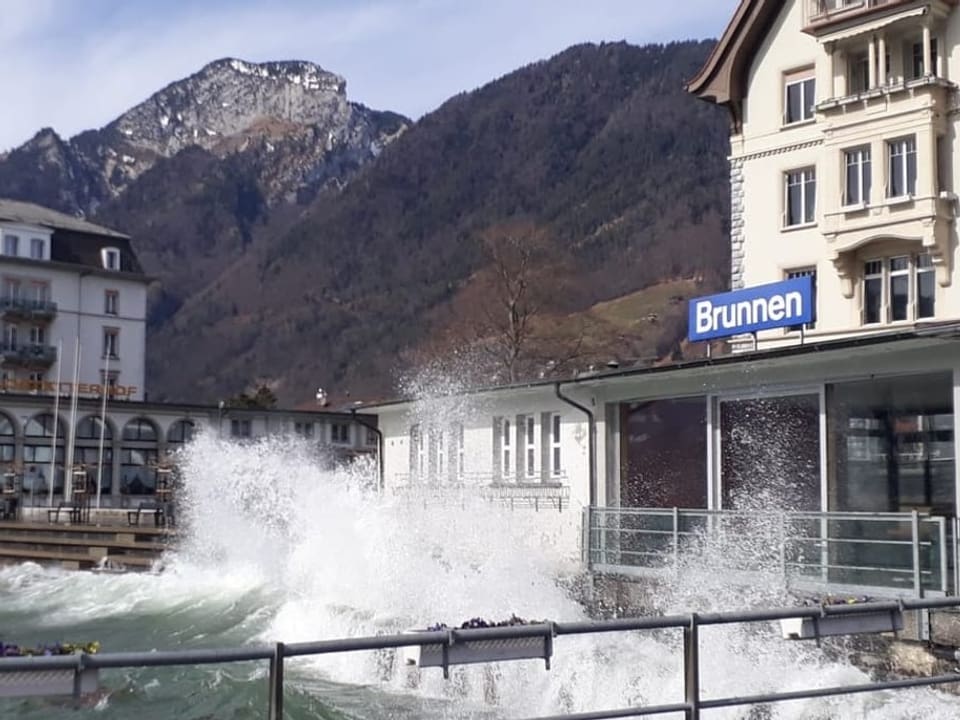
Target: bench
(73,512)
(159,514)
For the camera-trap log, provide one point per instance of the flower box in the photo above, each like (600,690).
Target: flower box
(33,683)
(468,652)
(842,624)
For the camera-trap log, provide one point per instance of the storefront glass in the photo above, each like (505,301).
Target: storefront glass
(664,452)
(770,453)
(892,444)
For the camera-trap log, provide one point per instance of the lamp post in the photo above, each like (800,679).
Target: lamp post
(220,407)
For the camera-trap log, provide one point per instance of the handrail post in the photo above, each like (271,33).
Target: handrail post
(276,683)
(676,539)
(917,572)
(691,668)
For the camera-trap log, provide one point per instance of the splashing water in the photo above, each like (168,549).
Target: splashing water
(278,549)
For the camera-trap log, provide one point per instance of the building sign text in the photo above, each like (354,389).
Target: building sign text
(782,304)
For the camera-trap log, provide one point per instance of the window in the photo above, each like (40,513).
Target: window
(36,381)
(461,447)
(36,248)
(180,432)
(916,67)
(902,180)
(110,298)
(440,469)
(799,97)
(801,200)
(304,429)
(340,433)
(140,430)
(530,435)
(11,245)
(556,468)
(418,457)
(12,288)
(898,289)
(240,428)
(40,292)
(505,464)
(110,257)
(38,335)
(812,274)
(10,336)
(858,176)
(371,437)
(111,343)
(858,73)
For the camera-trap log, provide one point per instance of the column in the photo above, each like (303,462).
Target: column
(927,51)
(872,64)
(831,72)
(882,61)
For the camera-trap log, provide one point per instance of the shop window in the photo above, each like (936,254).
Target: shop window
(240,428)
(181,432)
(663,453)
(138,471)
(89,429)
(140,430)
(340,433)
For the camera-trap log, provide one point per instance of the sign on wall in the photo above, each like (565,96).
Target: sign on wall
(22,385)
(762,307)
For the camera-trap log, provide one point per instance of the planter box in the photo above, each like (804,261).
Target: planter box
(468,652)
(847,624)
(33,683)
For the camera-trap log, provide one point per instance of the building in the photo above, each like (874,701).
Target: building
(64,281)
(844,158)
(839,405)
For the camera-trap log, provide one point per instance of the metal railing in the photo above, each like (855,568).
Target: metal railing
(28,353)
(691,705)
(905,553)
(473,487)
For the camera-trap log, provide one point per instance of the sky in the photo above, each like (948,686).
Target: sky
(77,64)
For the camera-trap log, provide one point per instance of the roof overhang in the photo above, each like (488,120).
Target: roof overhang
(723,78)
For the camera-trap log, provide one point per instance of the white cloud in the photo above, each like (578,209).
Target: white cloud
(75,66)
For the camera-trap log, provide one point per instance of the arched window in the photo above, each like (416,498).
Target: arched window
(87,452)
(89,429)
(138,457)
(8,443)
(38,453)
(42,426)
(140,430)
(181,432)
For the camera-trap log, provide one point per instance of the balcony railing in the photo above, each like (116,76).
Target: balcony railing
(827,10)
(24,307)
(900,553)
(28,355)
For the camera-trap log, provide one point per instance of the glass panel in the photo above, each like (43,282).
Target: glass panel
(926,292)
(794,199)
(810,197)
(809,98)
(899,297)
(911,167)
(893,444)
(872,300)
(770,452)
(664,451)
(794,102)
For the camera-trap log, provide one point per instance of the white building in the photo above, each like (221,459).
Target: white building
(844,164)
(64,279)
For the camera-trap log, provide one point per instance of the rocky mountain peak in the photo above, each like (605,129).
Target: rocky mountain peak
(227,97)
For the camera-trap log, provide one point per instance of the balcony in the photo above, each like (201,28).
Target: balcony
(825,13)
(24,309)
(28,355)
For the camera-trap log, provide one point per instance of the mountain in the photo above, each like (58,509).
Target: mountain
(599,150)
(307,240)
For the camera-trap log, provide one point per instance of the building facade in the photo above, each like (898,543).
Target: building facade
(66,284)
(844,157)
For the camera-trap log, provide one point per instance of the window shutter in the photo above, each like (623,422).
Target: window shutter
(497,447)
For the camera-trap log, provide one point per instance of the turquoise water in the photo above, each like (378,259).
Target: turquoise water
(332,560)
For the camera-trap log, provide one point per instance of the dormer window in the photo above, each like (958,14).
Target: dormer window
(37,248)
(111,258)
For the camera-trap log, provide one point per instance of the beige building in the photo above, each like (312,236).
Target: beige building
(844,117)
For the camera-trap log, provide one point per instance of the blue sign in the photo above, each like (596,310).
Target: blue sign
(762,307)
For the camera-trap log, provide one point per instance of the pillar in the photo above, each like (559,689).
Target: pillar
(872,64)
(927,51)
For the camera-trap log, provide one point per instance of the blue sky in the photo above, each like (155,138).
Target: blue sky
(77,64)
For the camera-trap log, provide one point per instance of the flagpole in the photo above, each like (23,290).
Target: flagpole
(103,424)
(72,429)
(56,418)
